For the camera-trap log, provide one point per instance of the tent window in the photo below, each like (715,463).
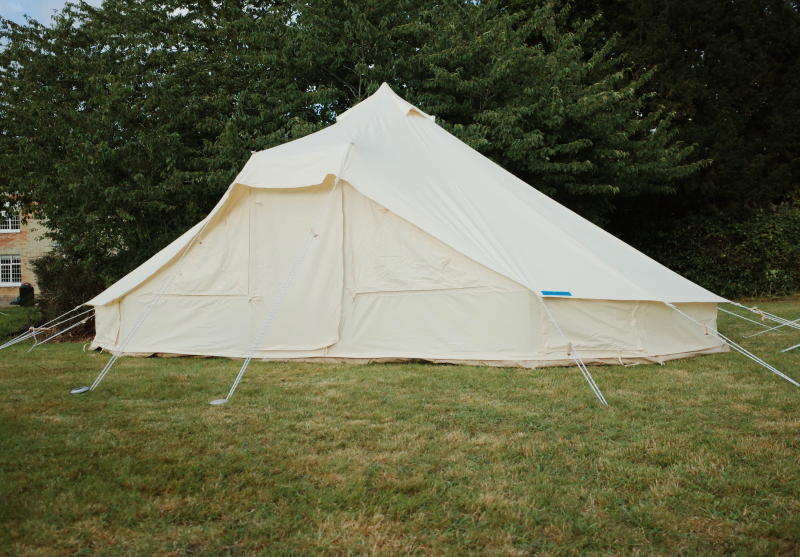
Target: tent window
(10,270)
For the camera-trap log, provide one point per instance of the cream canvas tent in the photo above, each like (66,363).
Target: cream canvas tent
(384,238)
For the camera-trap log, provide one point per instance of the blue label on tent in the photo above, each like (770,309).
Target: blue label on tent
(554,293)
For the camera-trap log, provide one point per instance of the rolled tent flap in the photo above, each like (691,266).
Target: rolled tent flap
(296,164)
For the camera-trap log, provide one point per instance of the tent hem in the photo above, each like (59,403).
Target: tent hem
(513,363)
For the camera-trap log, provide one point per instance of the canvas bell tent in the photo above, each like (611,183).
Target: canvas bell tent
(384,238)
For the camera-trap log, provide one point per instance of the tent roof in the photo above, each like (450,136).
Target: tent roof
(396,155)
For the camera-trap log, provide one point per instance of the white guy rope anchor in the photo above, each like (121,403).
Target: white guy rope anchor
(575,356)
(720,336)
(298,260)
(193,243)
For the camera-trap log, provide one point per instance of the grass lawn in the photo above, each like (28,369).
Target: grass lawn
(697,457)
(14,320)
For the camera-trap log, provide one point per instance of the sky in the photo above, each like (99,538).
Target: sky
(40,10)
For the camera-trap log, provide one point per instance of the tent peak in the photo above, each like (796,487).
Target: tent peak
(385,91)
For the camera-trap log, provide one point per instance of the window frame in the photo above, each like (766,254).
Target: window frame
(9,221)
(7,260)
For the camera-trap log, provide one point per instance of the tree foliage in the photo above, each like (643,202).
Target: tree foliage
(731,73)
(524,89)
(122,125)
(731,70)
(117,121)
(733,257)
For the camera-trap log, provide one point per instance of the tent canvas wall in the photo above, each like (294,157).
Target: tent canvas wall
(421,249)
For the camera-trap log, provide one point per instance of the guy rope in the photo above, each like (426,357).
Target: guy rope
(575,356)
(719,336)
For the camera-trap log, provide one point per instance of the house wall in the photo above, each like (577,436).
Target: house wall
(29,244)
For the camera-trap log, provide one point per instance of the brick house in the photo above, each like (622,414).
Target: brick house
(19,244)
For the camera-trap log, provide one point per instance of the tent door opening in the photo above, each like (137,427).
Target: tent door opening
(280,219)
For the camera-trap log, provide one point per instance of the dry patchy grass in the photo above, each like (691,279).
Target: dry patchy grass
(698,457)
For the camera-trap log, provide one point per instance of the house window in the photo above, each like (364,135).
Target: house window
(10,271)
(8,224)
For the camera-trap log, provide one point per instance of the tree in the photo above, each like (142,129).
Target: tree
(524,88)
(731,71)
(112,119)
(519,85)
(122,125)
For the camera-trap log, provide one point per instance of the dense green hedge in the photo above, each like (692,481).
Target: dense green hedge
(756,257)
(63,285)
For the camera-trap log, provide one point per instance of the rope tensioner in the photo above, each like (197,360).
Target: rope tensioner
(82,322)
(782,322)
(770,316)
(741,317)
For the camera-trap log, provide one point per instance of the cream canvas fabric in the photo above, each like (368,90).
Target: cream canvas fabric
(425,250)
